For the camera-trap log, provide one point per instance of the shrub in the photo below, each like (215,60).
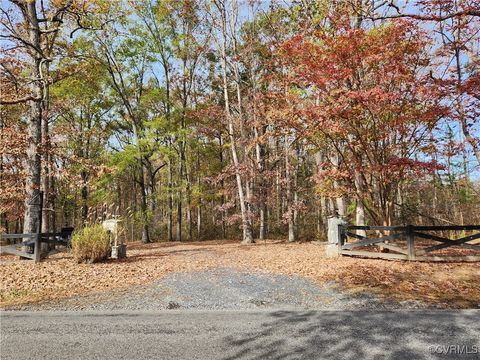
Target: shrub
(90,244)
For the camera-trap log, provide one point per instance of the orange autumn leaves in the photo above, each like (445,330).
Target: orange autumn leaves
(365,95)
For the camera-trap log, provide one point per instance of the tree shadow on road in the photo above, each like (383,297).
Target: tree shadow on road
(359,335)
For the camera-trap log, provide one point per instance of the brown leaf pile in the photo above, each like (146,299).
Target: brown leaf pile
(453,285)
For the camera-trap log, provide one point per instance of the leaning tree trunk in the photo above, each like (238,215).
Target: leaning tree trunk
(466,129)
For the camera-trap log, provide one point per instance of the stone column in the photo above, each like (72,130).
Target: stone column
(331,249)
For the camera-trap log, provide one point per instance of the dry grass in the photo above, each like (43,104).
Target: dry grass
(454,285)
(90,244)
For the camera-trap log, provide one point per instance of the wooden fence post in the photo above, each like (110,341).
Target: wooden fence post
(38,236)
(36,249)
(410,243)
(341,237)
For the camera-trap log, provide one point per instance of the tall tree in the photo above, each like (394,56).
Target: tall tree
(375,117)
(31,31)
(224,18)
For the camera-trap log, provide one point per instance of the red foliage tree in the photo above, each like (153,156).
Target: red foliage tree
(363,95)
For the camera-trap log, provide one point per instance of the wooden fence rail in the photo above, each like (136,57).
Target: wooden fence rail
(31,248)
(391,239)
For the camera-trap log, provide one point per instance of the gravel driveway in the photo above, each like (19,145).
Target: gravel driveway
(225,289)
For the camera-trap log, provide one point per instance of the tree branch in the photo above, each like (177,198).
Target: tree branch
(19,100)
(471,12)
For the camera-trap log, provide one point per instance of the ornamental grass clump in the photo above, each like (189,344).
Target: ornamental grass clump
(90,244)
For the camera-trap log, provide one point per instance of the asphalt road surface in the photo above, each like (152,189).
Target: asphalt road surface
(268,334)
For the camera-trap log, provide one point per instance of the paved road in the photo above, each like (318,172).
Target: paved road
(193,334)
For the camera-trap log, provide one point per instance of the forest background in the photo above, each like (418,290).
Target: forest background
(226,119)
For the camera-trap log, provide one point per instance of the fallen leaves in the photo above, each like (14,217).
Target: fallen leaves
(454,285)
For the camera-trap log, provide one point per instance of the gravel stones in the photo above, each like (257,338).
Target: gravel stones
(225,289)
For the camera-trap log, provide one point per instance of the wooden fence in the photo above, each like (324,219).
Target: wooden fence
(410,242)
(30,246)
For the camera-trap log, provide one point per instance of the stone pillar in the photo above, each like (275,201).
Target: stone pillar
(331,249)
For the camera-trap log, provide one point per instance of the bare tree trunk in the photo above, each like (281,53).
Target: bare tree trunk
(170,201)
(46,181)
(46,175)
(222,184)
(179,215)
(3,214)
(474,143)
(360,208)
(151,187)
(323,212)
(34,126)
(288,196)
(260,159)
(141,182)
(295,201)
(84,196)
(181,173)
(246,225)
(339,201)
(278,199)
(262,185)
(144,207)
(189,207)
(199,222)
(319,159)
